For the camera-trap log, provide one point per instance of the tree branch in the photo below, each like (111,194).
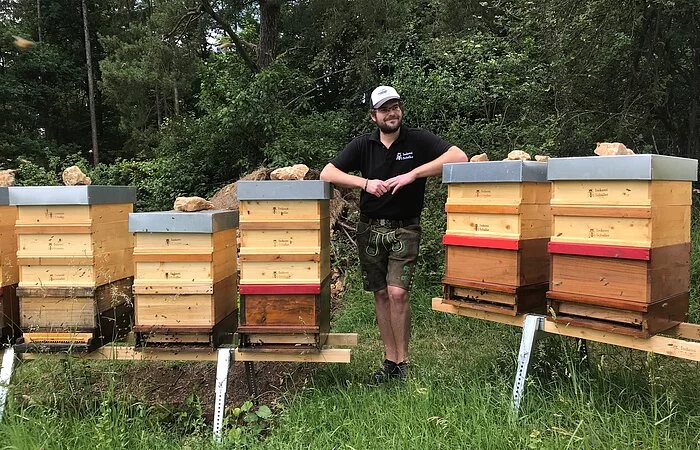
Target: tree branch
(240,45)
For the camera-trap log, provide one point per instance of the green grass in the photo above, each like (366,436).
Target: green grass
(459,397)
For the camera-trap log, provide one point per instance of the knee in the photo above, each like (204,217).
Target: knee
(381,296)
(397,294)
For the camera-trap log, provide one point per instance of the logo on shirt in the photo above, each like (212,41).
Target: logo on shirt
(404,156)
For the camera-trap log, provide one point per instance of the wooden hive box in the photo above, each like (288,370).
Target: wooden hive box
(285,262)
(9,272)
(621,241)
(73,236)
(74,252)
(186,280)
(498,227)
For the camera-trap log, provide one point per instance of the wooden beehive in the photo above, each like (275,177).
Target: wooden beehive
(9,272)
(498,227)
(284,263)
(620,242)
(186,280)
(74,252)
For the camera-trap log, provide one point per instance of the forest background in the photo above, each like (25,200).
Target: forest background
(189,95)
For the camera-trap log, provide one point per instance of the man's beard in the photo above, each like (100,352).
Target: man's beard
(385,128)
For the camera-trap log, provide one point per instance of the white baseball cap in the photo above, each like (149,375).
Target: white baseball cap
(383,94)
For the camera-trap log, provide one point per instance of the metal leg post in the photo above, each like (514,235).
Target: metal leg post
(8,362)
(252,381)
(532,324)
(222,366)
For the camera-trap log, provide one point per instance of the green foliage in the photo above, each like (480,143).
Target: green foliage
(245,424)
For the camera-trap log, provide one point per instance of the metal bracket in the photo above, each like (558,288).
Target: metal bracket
(531,325)
(8,361)
(252,381)
(222,366)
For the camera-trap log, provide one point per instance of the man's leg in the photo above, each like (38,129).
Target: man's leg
(383,308)
(400,321)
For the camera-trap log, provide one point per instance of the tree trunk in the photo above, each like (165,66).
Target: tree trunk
(38,19)
(176,99)
(91,88)
(159,114)
(269,31)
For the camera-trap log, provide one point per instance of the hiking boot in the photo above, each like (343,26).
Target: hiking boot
(386,372)
(403,371)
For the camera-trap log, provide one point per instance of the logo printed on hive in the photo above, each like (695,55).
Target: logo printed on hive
(404,156)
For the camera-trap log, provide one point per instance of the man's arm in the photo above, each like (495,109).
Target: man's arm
(453,155)
(338,177)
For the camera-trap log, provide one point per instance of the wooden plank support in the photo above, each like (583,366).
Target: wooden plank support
(123,352)
(440,305)
(326,355)
(663,345)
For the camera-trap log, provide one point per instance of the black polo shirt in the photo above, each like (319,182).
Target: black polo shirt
(366,154)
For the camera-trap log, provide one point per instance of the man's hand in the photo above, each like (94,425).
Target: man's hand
(400,181)
(377,187)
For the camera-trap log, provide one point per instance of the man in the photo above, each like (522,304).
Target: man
(394,162)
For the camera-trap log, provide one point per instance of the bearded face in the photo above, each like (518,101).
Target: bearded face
(389,117)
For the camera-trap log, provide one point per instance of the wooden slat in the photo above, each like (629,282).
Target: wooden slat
(330,355)
(602,211)
(56,261)
(599,301)
(506,289)
(477,295)
(600,313)
(339,339)
(171,257)
(120,352)
(479,241)
(279,289)
(277,329)
(150,287)
(280,225)
(174,242)
(279,257)
(331,339)
(482,209)
(606,251)
(488,307)
(656,344)
(285,339)
(438,304)
(685,331)
(53,229)
(57,337)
